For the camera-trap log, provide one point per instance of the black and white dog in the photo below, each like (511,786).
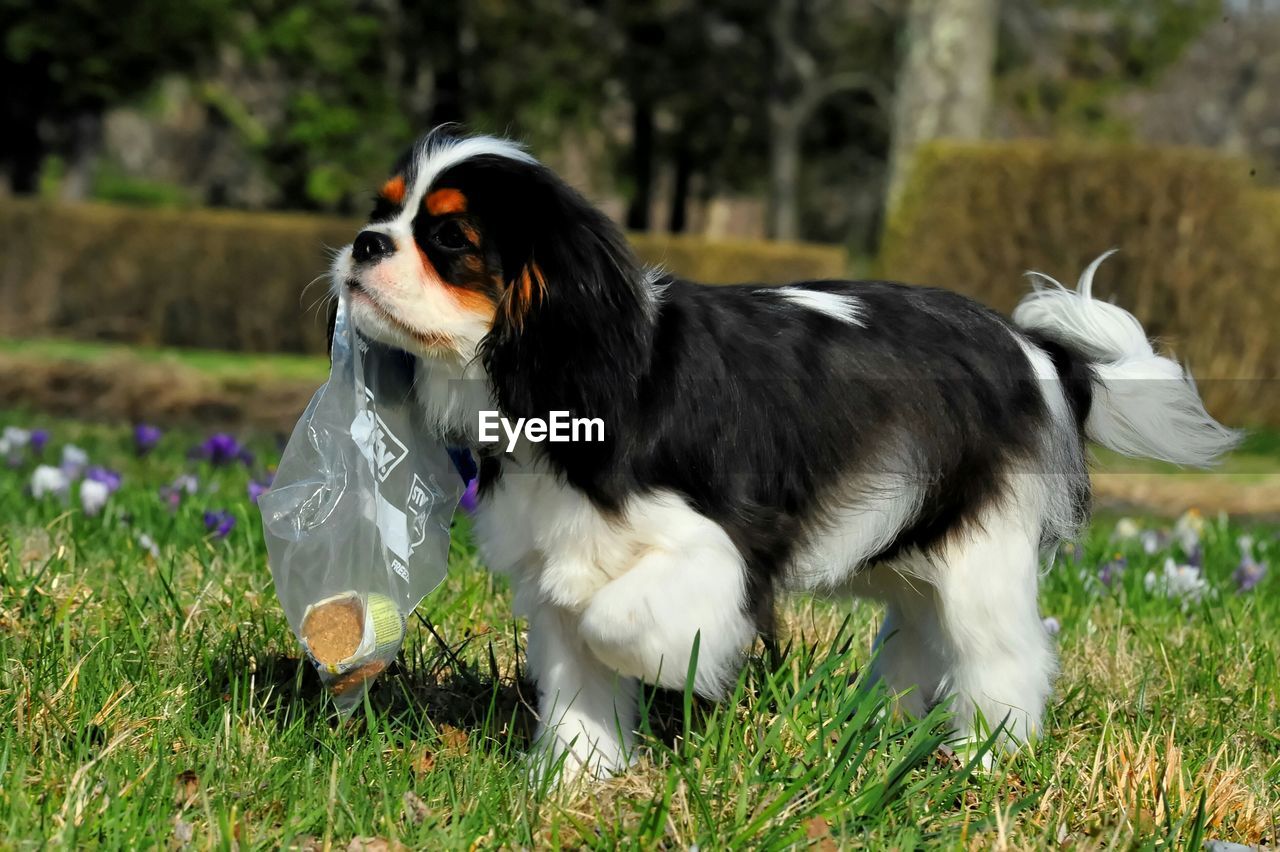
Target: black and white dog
(867,438)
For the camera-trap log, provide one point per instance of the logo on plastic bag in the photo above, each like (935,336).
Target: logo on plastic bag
(420,500)
(379,444)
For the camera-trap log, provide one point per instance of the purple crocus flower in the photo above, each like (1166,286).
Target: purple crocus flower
(39,440)
(1250,571)
(222,448)
(145,438)
(471,496)
(1249,574)
(220,523)
(258,487)
(109,478)
(1112,570)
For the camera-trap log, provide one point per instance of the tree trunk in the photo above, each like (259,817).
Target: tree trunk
(944,82)
(641,165)
(790,64)
(83,147)
(782,219)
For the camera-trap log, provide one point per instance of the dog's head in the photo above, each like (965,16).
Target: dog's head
(478,256)
(473,247)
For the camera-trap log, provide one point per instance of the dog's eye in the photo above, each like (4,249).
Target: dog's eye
(449,235)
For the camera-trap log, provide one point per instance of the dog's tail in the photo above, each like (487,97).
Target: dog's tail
(1143,404)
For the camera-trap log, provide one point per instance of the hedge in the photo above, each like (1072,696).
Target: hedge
(236,281)
(1199,260)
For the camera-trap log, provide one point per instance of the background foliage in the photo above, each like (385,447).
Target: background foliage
(662,108)
(1197,246)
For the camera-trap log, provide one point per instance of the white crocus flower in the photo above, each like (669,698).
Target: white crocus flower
(1189,529)
(46,480)
(74,461)
(1126,528)
(1184,582)
(148,544)
(93,496)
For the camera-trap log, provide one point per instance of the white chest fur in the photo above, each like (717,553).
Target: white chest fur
(550,537)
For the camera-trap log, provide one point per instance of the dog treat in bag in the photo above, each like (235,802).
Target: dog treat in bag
(357,519)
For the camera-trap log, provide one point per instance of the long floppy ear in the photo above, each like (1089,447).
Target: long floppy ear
(573,331)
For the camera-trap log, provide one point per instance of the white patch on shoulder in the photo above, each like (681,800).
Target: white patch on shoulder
(836,305)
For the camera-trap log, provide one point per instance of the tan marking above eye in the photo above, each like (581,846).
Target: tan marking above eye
(393,190)
(469,231)
(445,201)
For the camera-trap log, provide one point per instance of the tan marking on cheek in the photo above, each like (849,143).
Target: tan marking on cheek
(393,190)
(445,201)
(470,300)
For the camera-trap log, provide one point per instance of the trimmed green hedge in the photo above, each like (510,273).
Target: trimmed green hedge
(1199,257)
(236,281)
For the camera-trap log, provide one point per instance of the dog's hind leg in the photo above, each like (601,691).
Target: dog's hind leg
(999,657)
(908,656)
(965,623)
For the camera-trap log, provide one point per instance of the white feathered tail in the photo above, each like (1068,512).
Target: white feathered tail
(1144,404)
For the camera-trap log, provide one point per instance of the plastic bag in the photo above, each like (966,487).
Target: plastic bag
(357,518)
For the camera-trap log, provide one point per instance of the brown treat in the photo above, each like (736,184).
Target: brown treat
(355,677)
(333,630)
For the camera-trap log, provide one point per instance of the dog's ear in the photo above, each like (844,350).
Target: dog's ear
(572,330)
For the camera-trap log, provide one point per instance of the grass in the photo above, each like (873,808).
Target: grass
(159,700)
(216,364)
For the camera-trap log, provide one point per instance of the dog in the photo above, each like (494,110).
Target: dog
(860,438)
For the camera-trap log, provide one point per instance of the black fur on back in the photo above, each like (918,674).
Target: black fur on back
(761,412)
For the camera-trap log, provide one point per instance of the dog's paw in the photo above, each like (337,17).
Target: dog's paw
(553,762)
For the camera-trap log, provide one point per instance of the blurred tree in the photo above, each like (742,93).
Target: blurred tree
(543,72)
(812,62)
(349,83)
(322,82)
(1220,92)
(1062,64)
(945,78)
(694,77)
(64,63)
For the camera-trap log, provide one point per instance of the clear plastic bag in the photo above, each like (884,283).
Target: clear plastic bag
(357,518)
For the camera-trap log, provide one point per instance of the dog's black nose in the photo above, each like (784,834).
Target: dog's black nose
(372,245)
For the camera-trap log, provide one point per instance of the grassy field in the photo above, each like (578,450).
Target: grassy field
(155,697)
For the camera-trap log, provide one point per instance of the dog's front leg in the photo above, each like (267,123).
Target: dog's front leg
(644,623)
(586,711)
